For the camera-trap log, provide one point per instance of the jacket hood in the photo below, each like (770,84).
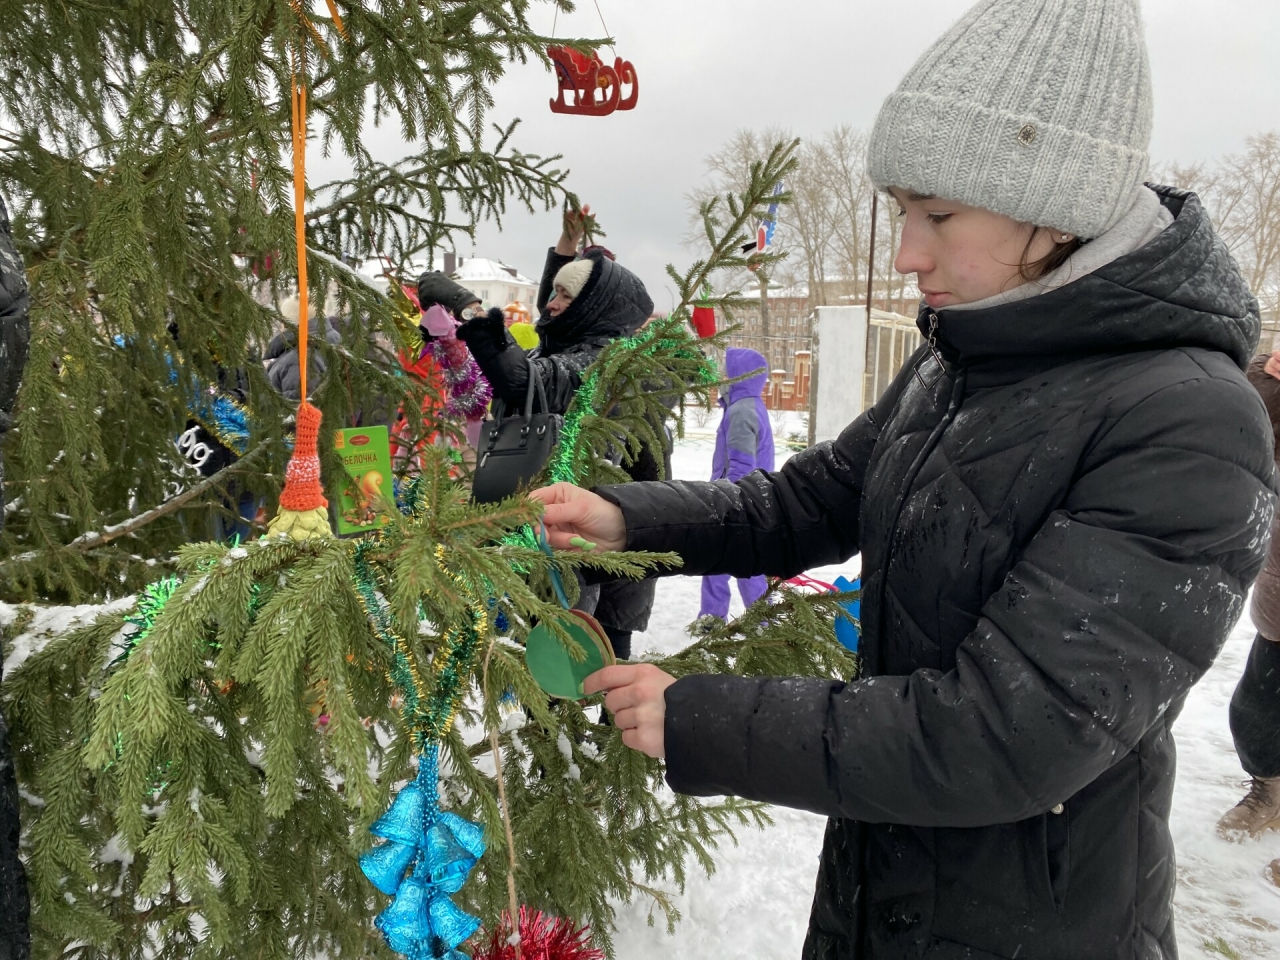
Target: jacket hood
(739,361)
(1183,289)
(613,303)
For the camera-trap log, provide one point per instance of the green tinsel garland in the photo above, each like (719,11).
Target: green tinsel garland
(402,672)
(570,460)
(151,602)
(429,715)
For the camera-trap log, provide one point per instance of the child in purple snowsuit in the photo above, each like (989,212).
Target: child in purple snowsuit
(744,443)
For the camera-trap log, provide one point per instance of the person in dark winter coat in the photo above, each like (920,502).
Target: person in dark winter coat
(1255,707)
(598,300)
(282,352)
(15,331)
(585,302)
(1060,503)
(744,443)
(214,438)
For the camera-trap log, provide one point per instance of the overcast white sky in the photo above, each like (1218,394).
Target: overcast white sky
(710,67)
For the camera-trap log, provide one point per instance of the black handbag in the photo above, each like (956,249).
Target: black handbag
(514,449)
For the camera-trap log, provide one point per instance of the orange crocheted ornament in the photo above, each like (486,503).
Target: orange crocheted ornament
(302,488)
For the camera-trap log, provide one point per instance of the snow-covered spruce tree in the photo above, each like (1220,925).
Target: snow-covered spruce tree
(200,771)
(144,153)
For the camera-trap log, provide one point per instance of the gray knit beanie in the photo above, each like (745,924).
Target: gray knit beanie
(1037,109)
(573,276)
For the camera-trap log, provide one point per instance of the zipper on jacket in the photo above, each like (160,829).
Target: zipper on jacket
(931,341)
(953,408)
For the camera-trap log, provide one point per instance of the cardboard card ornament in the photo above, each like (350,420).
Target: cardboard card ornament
(366,454)
(554,667)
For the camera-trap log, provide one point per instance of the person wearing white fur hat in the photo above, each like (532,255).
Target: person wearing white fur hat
(586,301)
(1060,505)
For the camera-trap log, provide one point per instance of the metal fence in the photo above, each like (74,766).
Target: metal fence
(891,339)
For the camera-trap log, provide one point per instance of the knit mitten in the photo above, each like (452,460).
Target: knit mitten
(489,329)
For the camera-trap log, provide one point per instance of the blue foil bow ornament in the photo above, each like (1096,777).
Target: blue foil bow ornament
(438,850)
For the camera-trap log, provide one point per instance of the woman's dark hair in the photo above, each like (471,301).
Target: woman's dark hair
(1031,270)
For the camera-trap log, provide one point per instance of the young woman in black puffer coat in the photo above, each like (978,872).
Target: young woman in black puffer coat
(586,300)
(1060,505)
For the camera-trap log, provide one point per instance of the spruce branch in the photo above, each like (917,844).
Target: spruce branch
(147,171)
(98,538)
(236,749)
(641,386)
(725,238)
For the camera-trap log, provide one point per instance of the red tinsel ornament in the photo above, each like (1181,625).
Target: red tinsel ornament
(541,938)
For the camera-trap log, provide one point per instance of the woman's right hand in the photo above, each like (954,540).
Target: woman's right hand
(575,225)
(573,513)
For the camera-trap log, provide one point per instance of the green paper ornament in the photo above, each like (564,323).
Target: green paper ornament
(554,668)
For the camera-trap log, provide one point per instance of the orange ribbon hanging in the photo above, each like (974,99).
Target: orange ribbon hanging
(302,513)
(337,19)
(299,102)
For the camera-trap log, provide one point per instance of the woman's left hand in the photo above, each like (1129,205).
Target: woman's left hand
(637,698)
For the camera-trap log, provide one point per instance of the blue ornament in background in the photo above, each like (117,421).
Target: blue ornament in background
(500,623)
(847,631)
(422,922)
(503,627)
(224,418)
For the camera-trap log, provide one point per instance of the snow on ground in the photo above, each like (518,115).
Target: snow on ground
(759,897)
(1221,890)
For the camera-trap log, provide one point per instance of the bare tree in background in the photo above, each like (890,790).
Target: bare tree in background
(805,225)
(727,171)
(840,163)
(1251,181)
(809,223)
(894,283)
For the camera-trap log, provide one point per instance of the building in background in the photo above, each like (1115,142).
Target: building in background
(786,340)
(494,282)
(789,328)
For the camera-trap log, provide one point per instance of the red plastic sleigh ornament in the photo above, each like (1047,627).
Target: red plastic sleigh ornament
(589,87)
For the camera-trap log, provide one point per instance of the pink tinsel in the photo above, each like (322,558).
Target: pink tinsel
(469,391)
(541,938)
